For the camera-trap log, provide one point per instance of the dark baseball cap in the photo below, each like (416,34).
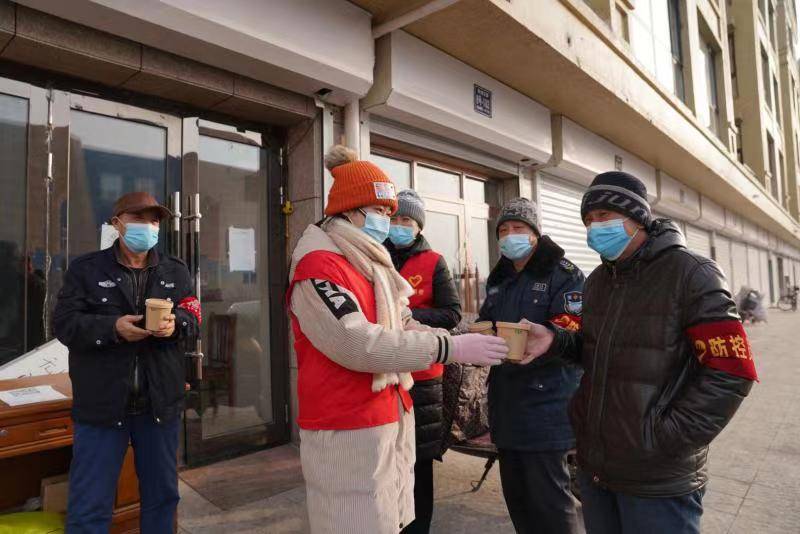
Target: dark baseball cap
(137,202)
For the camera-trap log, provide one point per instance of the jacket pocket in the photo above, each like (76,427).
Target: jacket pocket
(656,437)
(649,439)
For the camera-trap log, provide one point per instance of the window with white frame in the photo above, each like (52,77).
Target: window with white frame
(655,30)
(707,97)
(765,76)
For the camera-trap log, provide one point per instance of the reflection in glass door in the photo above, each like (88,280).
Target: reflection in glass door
(109,157)
(16,278)
(231,408)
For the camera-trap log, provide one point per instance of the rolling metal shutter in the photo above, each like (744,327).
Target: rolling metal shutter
(722,255)
(698,240)
(561,219)
(763,265)
(753,269)
(738,266)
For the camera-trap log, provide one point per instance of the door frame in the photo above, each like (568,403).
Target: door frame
(276,432)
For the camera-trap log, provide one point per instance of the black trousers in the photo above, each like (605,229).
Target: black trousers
(537,494)
(423,498)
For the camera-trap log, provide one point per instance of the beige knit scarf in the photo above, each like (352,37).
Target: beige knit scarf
(392,291)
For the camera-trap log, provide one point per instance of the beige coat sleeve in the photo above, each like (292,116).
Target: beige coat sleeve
(331,319)
(409,323)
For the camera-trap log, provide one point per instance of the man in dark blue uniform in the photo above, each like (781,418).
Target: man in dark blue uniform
(127,382)
(528,403)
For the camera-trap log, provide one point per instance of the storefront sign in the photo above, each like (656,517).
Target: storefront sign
(483,101)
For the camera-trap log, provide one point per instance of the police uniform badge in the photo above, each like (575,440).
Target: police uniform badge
(573,302)
(567,265)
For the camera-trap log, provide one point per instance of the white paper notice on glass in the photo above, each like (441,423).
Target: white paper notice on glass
(31,395)
(241,249)
(108,234)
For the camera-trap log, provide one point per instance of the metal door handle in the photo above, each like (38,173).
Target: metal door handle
(176,211)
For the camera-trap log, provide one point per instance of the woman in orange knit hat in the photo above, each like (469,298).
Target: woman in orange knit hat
(356,345)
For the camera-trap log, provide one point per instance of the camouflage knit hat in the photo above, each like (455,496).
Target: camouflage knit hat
(519,209)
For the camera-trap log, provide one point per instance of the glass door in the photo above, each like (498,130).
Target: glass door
(115,149)
(23,187)
(238,402)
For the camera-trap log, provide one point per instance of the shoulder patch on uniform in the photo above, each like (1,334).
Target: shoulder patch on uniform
(567,265)
(573,302)
(337,301)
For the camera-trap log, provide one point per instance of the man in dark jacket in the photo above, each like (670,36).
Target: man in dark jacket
(528,404)
(434,303)
(127,382)
(667,364)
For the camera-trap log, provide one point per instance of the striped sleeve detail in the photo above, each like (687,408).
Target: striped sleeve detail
(442,349)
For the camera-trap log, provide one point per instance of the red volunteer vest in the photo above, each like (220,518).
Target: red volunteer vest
(419,270)
(330,396)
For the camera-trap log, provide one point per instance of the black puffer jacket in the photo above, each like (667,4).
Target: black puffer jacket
(646,410)
(444,313)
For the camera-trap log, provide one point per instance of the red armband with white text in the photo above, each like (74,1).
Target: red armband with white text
(723,345)
(192,305)
(567,321)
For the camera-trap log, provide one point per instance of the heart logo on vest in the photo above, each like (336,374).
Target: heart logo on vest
(415,280)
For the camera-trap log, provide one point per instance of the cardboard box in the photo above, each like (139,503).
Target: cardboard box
(54,494)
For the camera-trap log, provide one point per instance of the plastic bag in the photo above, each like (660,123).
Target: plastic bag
(32,523)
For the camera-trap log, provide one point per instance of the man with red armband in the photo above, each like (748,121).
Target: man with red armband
(666,360)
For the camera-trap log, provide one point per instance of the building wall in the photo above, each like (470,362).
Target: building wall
(788,34)
(759,108)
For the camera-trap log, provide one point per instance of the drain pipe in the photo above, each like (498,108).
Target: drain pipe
(411,17)
(352,125)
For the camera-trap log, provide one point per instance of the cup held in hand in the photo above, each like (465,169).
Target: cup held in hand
(481,327)
(516,336)
(157,311)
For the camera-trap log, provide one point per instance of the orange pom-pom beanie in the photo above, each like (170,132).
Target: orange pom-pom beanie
(356,183)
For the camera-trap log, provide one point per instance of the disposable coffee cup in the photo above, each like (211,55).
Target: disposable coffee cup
(157,311)
(516,336)
(481,327)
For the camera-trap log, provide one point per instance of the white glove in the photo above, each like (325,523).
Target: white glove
(478,349)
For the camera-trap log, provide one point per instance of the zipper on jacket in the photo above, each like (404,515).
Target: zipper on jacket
(595,421)
(137,303)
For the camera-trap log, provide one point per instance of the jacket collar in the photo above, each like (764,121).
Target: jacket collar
(544,260)
(152,256)
(662,235)
(401,255)
(112,263)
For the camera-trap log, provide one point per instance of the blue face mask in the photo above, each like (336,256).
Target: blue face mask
(140,237)
(515,246)
(609,238)
(401,236)
(376,226)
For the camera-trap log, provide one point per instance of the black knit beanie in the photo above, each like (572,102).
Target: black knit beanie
(619,192)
